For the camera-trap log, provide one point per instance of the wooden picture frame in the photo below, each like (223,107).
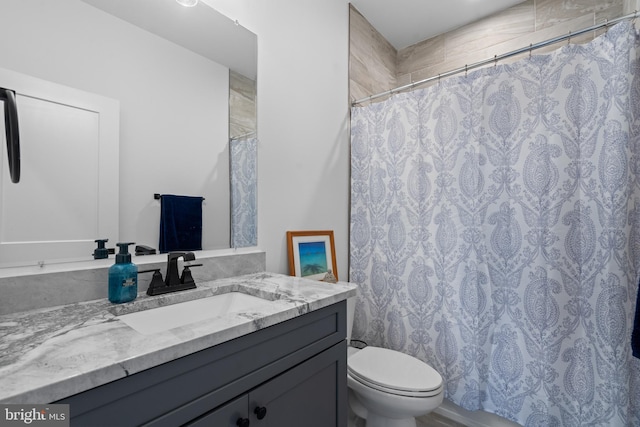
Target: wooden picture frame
(311,254)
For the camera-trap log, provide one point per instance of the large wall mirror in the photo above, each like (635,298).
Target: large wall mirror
(184,80)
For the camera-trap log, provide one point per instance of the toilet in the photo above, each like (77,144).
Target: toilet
(388,388)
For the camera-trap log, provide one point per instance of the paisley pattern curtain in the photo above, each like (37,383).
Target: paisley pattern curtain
(495,232)
(243,155)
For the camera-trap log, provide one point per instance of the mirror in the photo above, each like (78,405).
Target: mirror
(185,80)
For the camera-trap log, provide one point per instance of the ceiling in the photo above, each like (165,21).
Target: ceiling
(194,28)
(407,22)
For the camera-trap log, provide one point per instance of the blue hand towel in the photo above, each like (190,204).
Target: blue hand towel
(180,223)
(635,336)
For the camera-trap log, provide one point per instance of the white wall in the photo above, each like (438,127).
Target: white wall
(164,146)
(303,159)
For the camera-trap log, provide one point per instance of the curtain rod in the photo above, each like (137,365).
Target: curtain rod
(497,58)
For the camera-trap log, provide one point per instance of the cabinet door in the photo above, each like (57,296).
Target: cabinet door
(312,394)
(231,414)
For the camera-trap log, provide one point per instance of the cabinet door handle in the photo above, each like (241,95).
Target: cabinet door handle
(260,412)
(242,422)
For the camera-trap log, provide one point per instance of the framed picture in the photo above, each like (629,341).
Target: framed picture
(311,254)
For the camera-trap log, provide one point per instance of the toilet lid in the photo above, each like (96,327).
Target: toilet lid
(389,369)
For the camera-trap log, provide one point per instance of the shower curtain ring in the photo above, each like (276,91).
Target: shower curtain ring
(530,49)
(495,60)
(569,38)
(465,70)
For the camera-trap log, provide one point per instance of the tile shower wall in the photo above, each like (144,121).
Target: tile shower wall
(375,66)
(242,105)
(372,59)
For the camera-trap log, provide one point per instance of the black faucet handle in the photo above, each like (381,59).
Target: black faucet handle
(156,281)
(186,278)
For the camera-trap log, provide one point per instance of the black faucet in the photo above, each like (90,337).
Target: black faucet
(172,278)
(173,281)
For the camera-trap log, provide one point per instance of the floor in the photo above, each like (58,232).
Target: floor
(436,420)
(429,420)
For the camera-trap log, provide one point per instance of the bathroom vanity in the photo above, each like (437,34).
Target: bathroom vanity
(281,363)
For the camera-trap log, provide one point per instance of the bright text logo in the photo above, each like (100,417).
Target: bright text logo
(35,415)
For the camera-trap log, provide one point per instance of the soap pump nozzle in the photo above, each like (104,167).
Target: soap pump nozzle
(123,256)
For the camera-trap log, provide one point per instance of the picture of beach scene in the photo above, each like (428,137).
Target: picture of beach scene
(313,258)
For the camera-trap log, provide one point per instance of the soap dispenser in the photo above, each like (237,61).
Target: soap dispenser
(123,277)
(101,252)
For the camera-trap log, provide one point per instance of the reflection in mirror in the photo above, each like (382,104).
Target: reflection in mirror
(243,154)
(243,161)
(169,68)
(59,201)
(242,106)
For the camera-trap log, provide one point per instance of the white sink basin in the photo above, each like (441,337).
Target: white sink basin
(160,319)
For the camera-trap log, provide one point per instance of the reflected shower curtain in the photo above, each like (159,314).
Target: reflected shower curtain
(243,165)
(495,232)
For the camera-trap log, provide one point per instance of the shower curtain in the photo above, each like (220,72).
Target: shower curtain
(495,232)
(243,166)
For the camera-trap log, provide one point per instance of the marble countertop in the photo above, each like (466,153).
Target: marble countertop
(49,354)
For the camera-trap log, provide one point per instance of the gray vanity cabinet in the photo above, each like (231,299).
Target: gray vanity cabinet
(303,396)
(232,414)
(289,374)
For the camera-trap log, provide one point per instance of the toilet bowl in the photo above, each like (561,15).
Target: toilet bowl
(388,388)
